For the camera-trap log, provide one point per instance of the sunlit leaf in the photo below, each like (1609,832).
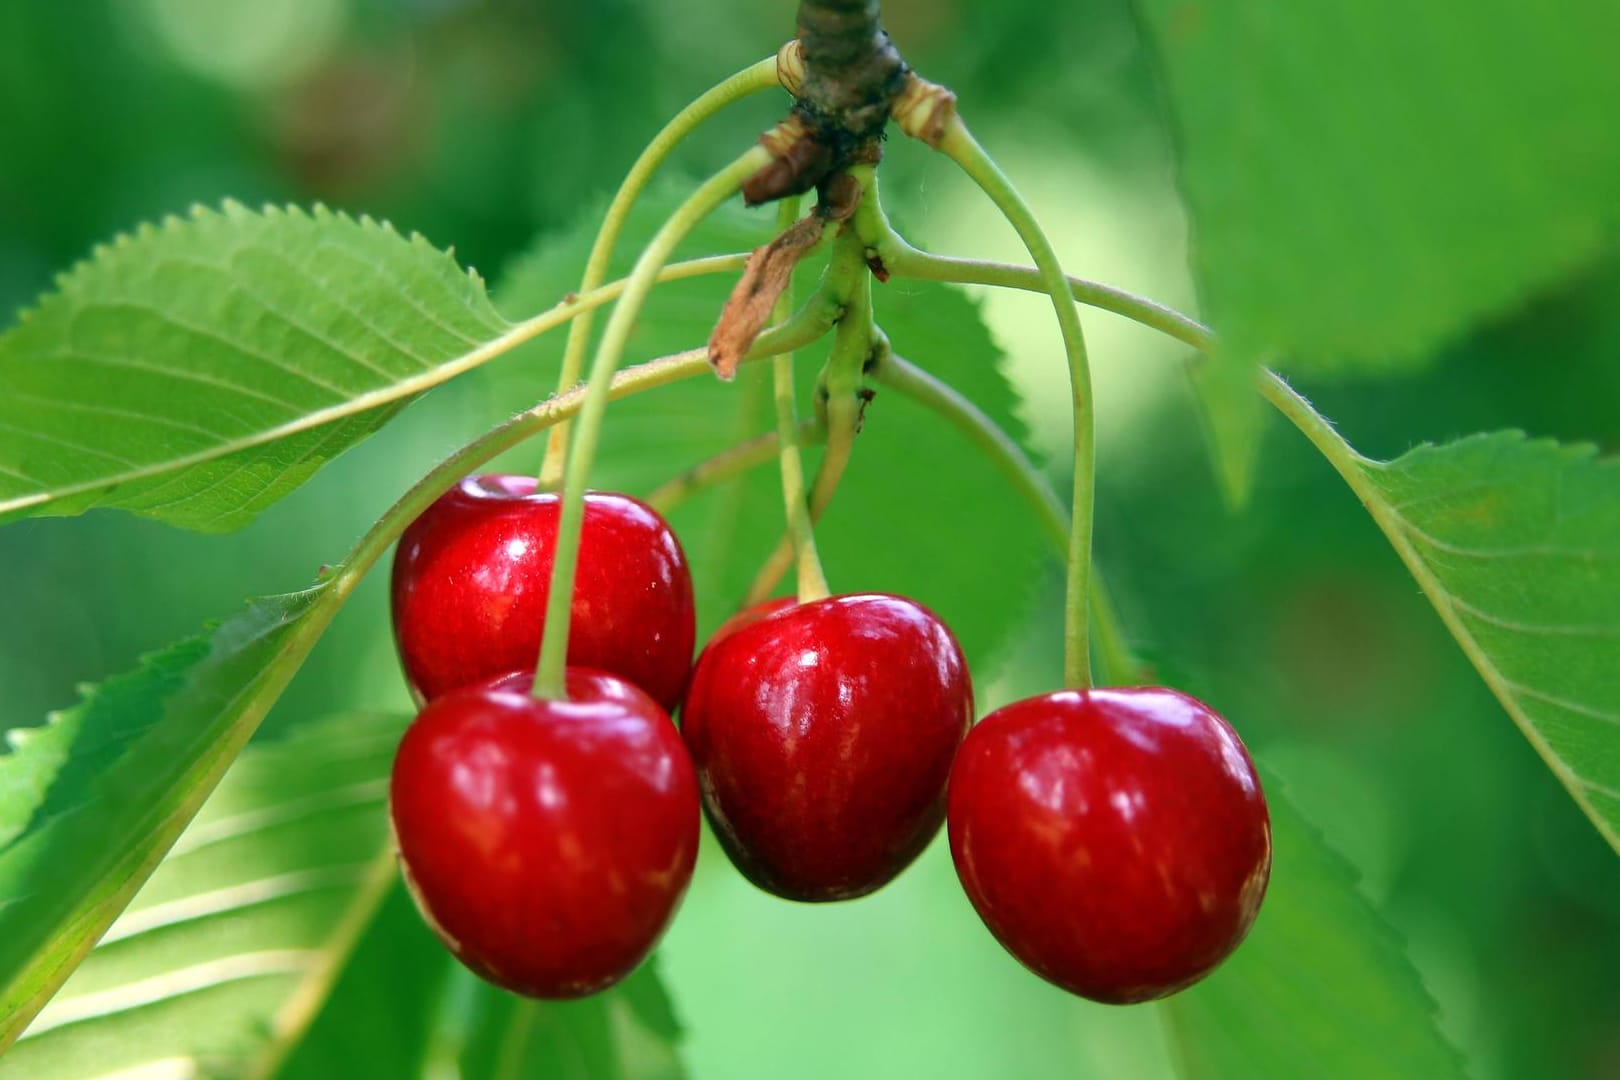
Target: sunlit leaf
(113,782)
(229,948)
(1367,180)
(275,939)
(1517,545)
(198,370)
(628,1033)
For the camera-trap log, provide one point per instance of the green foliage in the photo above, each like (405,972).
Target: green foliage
(199,370)
(248,930)
(225,951)
(384,1006)
(403,1007)
(1232,419)
(885,529)
(1321,979)
(1364,187)
(117,778)
(1366,183)
(629,1033)
(1516,544)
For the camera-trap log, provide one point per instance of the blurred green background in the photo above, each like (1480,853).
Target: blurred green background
(483,125)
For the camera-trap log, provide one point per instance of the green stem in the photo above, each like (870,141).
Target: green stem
(548,682)
(580,304)
(959,145)
(848,282)
(902,260)
(751,417)
(1118,666)
(812,581)
(727,465)
(834,460)
(918,385)
(851,345)
(907,261)
(750,80)
(809,324)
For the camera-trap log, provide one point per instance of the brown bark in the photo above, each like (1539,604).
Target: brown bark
(852,77)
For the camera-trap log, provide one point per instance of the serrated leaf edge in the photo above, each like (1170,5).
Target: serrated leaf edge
(1355,469)
(200,215)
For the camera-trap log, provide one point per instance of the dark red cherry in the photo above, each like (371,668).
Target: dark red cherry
(823,735)
(1115,841)
(548,843)
(472,574)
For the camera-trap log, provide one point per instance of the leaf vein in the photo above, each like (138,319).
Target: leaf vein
(233,898)
(170,985)
(1580,709)
(1543,629)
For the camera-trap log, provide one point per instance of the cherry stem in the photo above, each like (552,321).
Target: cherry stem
(848,279)
(549,672)
(728,465)
(959,145)
(1113,655)
(1120,666)
(951,405)
(805,327)
(903,260)
(750,80)
(900,259)
(830,470)
(812,581)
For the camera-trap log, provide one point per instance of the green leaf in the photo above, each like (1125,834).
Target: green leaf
(382,1009)
(1322,979)
(95,797)
(275,939)
(1367,180)
(628,1033)
(1231,414)
(1517,545)
(197,371)
(229,948)
(919,512)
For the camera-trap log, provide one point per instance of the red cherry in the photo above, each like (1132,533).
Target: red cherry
(1115,841)
(823,735)
(548,843)
(751,615)
(472,574)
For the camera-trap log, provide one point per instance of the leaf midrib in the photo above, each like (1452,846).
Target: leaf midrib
(1354,469)
(360,403)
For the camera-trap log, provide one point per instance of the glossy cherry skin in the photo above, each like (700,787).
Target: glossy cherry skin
(1115,841)
(749,615)
(823,735)
(472,574)
(548,843)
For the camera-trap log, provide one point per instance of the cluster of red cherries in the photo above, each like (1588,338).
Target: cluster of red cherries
(1115,841)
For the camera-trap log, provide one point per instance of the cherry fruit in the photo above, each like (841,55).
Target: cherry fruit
(748,615)
(472,574)
(823,735)
(1115,841)
(548,843)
